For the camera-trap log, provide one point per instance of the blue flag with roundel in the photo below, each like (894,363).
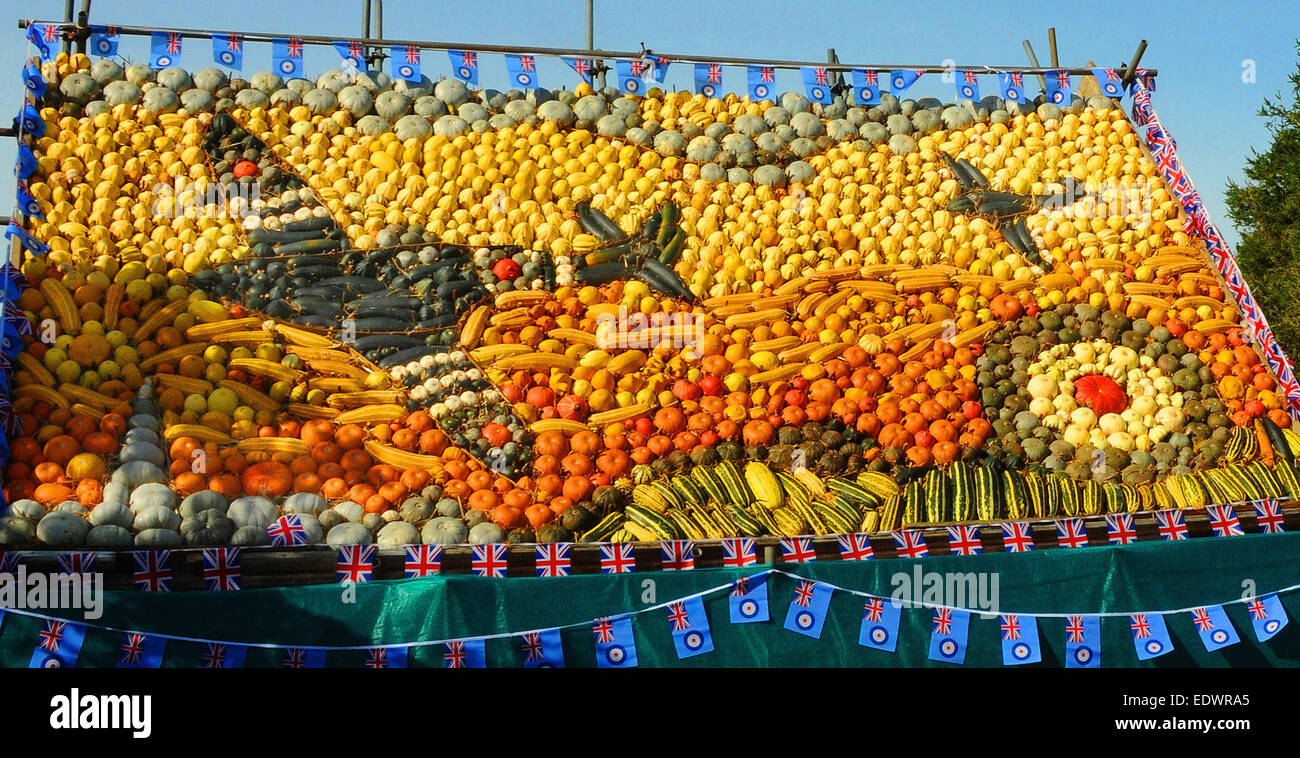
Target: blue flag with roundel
(880,619)
(708,79)
(968,85)
(1150,635)
(29,243)
(522,70)
(140,651)
(807,614)
(303,658)
(615,645)
(1083,642)
(351,52)
(1020,644)
(43,37)
(286,57)
(901,79)
(762,81)
(1013,85)
(464,64)
(1058,87)
(1108,79)
(542,650)
(631,75)
(387,657)
(817,84)
(948,637)
(866,86)
(464,654)
(228,50)
(689,624)
(748,600)
(27,204)
(581,66)
(57,645)
(406,63)
(33,81)
(1267,616)
(220,655)
(1216,630)
(30,121)
(103,40)
(164,49)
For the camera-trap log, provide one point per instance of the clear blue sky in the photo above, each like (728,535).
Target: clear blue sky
(1199,47)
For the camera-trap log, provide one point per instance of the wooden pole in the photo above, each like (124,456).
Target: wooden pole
(1033,61)
(837,81)
(1051,45)
(1130,71)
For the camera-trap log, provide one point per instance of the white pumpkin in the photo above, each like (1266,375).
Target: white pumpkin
(207,527)
(112,514)
(248,536)
(28,509)
(350,511)
(486,533)
(252,511)
(109,537)
(59,528)
(135,473)
(444,530)
(1171,417)
(158,538)
(16,531)
(152,494)
(155,517)
(305,503)
(203,500)
(398,533)
(349,534)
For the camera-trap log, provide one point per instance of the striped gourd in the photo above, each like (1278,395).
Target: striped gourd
(879,484)
(738,492)
(670,493)
(761,515)
(1267,478)
(744,524)
(913,505)
(1286,474)
(1071,503)
(1161,498)
(794,490)
(604,529)
(988,496)
(1145,499)
(649,497)
(713,528)
(1194,495)
(640,533)
(846,508)
(809,516)
(710,483)
(764,484)
(962,483)
(1220,486)
(1091,498)
(889,513)
(663,527)
(835,520)
(1249,485)
(1114,497)
(853,491)
(788,523)
(1016,494)
(686,525)
(621,535)
(936,496)
(690,492)
(1043,497)
(870,522)
(1132,500)
(1242,445)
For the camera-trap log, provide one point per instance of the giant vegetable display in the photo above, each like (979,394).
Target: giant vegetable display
(421,313)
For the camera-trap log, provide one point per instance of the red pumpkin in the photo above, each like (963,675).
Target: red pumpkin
(1100,393)
(244,168)
(572,407)
(268,478)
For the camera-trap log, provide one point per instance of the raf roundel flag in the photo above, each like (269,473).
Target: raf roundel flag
(948,638)
(542,650)
(522,70)
(1083,642)
(762,79)
(30,121)
(615,645)
(866,86)
(228,50)
(708,79)
(968,85)
(817,83)
(689,624)
(901,79)
(164,49)
(1267,616)
(1058,87)
(1013,85)
(748,600)
(43,36)
(580,66)
(351,53)
(33,80)
(464,64)
(1150,635)
(807,612)
(630,76)
(103,40)
(286,57)
(140,651)
(1020,643)
(1214,627)
(880,619)
(1108,80)
(406,63)
(58,645)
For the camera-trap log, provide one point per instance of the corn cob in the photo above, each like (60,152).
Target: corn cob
(575,336)
(60,301)
(536,361)
(1213,325)
(303,337)
(204,331)
(310,354)
(113,304)
(160,318)
(827,352)
(750,318)
(618,414)
(249,396)
(186,384)
(474,326)
(974,334)
(831,303)
(254,337)
(515,298)
(81,409)
(77,393)
(291,445)
(557,425)
(793,286)
(269,369)
(172,355)
(197,431)
(42,394)
(777,374)
(34,368)
(366,397)
(372,413)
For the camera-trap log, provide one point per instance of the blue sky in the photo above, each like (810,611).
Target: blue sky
(1200,48)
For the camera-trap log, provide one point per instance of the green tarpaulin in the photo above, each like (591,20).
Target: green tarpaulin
(1149,576)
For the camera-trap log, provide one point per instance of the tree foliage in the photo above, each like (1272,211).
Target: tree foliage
(1266,209)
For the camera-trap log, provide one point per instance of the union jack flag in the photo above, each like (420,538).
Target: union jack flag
(678,616)
(855,547)
(1112,74)
(1223,521)
(1017,78)
(1070,532)
(553,560)
(295,658)
(1268,515)
(822,76)
(1257,609)
(423,560)
(679,555)
(1016,537)
(1140,626)
(738,552)
(740,587)
(798,549)
(617,558)
(527,63)
(356,563)
(1120,529)
(173,42)
(214,656)
(638,66)
(235,42)
(969,77)
(488,560)
(377,658)
(1171,525)
(132,647)
(581,66)
(221,568)
(287,530)
(52,635)
(455,655)
(964,540)
(356,50)
(910,543)
(1010,627)
(873,609)
(604,631)
(412,54)
(295,47)
(153,570)
(803,594)
(943,621)
(8,562)
(532,647)
(50,33)
(1202,619)
(766,74)
(1074,629)
(76,563)
(715,73)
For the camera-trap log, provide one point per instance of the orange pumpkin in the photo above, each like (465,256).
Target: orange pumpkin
(269,479)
